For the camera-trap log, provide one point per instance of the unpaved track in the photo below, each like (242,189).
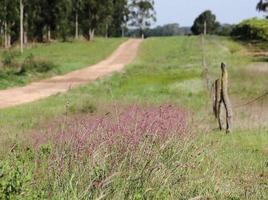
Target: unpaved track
(39,90)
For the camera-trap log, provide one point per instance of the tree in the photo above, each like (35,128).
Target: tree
(9,20)
(142,14)
(205,23)
(119,18)
(77,9)
(21,25)
(40,20)
(105,13)
(262,6)
(90,18)
(62,13)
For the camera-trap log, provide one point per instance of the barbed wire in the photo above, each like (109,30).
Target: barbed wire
(252,101)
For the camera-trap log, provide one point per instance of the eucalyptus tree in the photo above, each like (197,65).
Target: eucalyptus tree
(9,18)
(95,14)
(77,6)
(262,6)
(142,14)
(106,14)
(119,18)
(21,25)
(90,17)
(39,20)
(63,9)
(48,17)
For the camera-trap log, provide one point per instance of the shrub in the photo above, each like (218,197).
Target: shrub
(252,29)
(85,106)
(17,175)
(36,65)
(8,58)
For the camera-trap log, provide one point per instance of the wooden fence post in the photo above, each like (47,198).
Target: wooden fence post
(225,98)
(221,97)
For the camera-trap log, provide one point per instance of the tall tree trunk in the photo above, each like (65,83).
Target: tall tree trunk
(123,31)
(91,34)
(142,33)
(8,40)
(76,26)
(48,34)
(21,26)
(25,37)
(25,34)
(107,28)
(5,35)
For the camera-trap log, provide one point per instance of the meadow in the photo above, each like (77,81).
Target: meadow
(146,133)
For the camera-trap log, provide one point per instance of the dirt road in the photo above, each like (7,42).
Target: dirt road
(39,90)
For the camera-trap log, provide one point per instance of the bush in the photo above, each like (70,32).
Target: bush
(17,175)
(251,29)
(84,106)
(36,65)
(8,58)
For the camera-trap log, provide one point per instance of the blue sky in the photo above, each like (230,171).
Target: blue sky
(185,11)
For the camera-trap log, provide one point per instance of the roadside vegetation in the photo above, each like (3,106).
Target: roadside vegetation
(80,145)
(252,29)
(41,61)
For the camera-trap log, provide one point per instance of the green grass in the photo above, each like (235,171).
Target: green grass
(209,164)
(67,57)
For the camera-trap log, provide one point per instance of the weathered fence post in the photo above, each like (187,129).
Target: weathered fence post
(226,99)
(220,96)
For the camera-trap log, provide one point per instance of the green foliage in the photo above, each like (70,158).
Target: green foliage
(252,29)
(262,5)
(8,58)
(205,18)
(83,106)
(58,18)
(142,14)
(17,175)
(36,65)
(224,30)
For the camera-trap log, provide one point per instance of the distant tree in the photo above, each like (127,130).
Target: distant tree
(225,29)
(205,20)
(42,20)
(77,6)
(95,12)
(21,25)
(9,20)
(119,18)
(106,10)
(62,13)
(165,30)
(142,14)
(262,6)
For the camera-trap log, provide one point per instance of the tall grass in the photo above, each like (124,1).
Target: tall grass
(110,153)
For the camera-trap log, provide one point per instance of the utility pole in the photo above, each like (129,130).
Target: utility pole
(21,26)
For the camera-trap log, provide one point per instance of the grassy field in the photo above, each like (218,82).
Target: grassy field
(203,163)
(63,57)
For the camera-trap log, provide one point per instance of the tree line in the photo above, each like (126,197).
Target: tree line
(44,20)
(206,23)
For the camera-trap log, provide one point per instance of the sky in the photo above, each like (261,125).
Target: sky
(185,11)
